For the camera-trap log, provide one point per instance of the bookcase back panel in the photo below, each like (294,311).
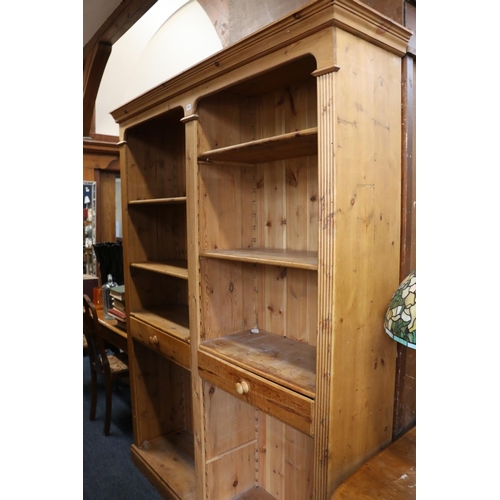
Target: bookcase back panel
(239,296)
(286,302)
(286,204)
(156,158)
(230,433)
(226,207)
(163,394)
(279,101)
(157,233)
(271,205)
(229,422)
(285,460)
(287,109)
(225,119)
(151,290)
(227,294)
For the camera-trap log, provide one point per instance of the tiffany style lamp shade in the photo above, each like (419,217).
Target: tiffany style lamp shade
(401,316)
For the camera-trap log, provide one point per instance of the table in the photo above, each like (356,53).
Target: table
(389,475)
(111,332)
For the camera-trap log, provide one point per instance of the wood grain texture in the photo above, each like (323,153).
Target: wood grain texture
(285,461)
(306,248)
(391,474)
(288,406)
(230,443)
(287,362)
(364,217)
(168,460)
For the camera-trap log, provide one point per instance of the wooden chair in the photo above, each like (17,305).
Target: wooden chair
(111,366)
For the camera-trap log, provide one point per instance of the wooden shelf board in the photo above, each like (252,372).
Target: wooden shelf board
(171,459)
(284,361)
(174,267)
(302,259)
(158,201)
(172,319)
(255,494)
(280,147)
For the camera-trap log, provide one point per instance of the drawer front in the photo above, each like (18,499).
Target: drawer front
(166,345)
(285,405)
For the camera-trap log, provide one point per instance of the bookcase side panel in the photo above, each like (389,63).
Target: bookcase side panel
(366,218)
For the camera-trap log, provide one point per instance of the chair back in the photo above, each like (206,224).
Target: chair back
(96,350)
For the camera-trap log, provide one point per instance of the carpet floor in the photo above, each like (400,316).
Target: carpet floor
(108,471)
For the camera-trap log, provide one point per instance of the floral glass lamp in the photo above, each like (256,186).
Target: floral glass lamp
(401,316)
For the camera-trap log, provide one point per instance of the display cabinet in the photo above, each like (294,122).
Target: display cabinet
(261,212)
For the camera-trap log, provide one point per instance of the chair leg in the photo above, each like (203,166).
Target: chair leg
(93,398)
(107,421)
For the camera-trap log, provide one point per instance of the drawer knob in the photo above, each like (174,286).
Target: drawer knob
(242,387)
(153,340)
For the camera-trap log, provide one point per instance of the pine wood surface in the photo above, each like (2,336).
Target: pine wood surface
(291,145)
(155,376)
(286,405)
(159,201)
(301,259)
(111,332)
(285,461)
(303,244)
(163,343)
(255,494)
(174,267)
(284,361)
(170,457)
(391,474)
(172,319)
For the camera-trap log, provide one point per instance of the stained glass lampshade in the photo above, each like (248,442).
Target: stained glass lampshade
(401,316)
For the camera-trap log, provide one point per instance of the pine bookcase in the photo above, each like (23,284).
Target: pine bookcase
(261,228)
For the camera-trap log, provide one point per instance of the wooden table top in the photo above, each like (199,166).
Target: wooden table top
(389,475)
(111,332)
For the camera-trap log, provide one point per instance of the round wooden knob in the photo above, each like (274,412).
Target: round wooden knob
(242,387)
(153,340)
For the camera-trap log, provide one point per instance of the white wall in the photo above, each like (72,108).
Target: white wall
(172,36)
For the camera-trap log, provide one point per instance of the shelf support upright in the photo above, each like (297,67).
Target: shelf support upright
(323,476)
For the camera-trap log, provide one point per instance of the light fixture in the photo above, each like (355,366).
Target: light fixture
(401,316)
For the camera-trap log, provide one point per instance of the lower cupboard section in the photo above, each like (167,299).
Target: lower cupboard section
(163,446)
(251,455)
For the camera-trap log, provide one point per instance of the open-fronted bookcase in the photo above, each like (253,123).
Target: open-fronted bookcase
(261,209)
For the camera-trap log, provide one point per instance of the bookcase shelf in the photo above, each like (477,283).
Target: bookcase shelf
(270,256)
(284,361)
(157,201)
(171,459)
(291,145)
(177,268)
(170,318)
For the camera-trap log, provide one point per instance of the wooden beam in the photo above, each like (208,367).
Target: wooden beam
(93,70)
(122,19)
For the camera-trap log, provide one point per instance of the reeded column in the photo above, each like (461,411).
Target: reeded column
(326,179)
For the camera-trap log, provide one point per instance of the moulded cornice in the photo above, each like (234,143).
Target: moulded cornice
(100,147)
(350,15)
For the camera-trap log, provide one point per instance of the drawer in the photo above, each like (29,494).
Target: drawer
(290,407)
(172,348)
